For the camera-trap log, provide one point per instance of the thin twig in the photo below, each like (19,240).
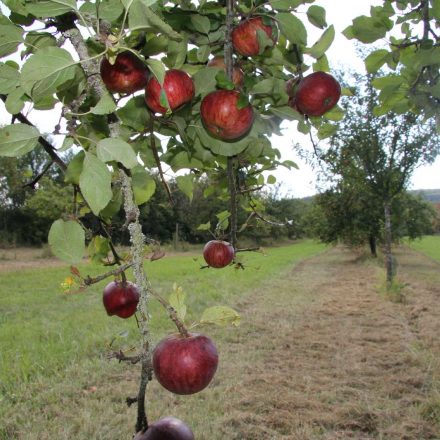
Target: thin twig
(36,179)
(88,281)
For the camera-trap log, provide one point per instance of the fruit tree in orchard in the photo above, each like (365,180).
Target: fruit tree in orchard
(200,87)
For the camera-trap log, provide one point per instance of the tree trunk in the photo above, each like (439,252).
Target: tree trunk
(373,247)
(388,239)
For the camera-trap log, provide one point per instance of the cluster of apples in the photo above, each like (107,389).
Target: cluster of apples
(312,95)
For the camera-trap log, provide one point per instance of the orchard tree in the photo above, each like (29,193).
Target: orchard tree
(371,159)
(198,86)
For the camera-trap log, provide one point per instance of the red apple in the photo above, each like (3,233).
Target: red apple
(178,87)
(185,365)
(245,37)
(218,253)
(221,116)
(121,298)
(316,94)
(237,73)
(168,428)
(127,75)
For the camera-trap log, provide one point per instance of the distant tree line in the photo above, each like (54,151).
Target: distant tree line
(29,205)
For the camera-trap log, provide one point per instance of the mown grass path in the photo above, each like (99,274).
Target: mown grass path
(320,354)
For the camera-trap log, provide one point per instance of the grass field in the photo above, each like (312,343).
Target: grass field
(53,345)
(428,245)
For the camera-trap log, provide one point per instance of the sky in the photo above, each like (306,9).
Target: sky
(299,182)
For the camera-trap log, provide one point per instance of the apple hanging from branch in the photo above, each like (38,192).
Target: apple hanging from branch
(178,89)
(245,35)
(127,75)
(121,298)
(167,428)
(218,253)
(222,117)
(237,73)
(185,364)
(315,94)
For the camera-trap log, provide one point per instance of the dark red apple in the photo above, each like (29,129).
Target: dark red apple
(178,87)
(218,253)
(127,75)
(185,365)
(245,37)
(168,428)
(221,116)
(121,298)
(237,73)
(316,94)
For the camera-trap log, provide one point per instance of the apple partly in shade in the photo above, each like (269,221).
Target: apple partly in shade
(127,75)
(316,94)
(121,298)
(167,428)
(245,35)
(221,116)
(178,87)
(218,253)
(185,364)
(237,73)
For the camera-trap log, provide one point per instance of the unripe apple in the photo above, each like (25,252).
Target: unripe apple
(185,365)
(245,37)
(316,94)
(120,298)
(237,73)
(167,428)
(178,87)
(218,253)
(221,116)
(127,75)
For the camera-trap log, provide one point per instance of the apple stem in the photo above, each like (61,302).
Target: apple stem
(172,314)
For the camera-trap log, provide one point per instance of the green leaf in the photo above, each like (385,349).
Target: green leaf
(204,226)
(271,179)
(335,114)
(35,41)
(205,80)
(176,54)
(98,248)
(113,206)
(45,71)
(186,185)
(316,16)
(75,168)
(15,101)
(141,17)
(117,150)
(286,112)
(10,37)
(46,9)
(105,105)
(144,185)
(177,301)
(375,60)
(158,69)
(67,240)
(203,53)
(95,183)
(368,29)
(220,315)
(17,139)
(9,78)
(135,113)
(321,46)
(201,23)
(321,65)
(327,130)
(292,28)
(109,10)
(264,86)
(287,4)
